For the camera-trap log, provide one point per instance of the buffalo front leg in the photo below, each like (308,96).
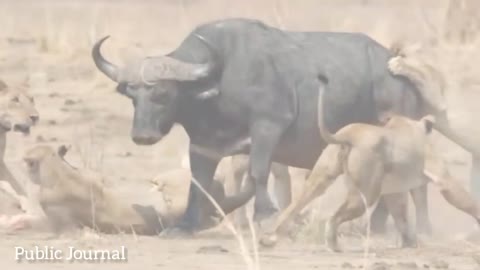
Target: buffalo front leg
(203,169)
(265,137)
(397,204)
(282,185)
(420,200)
(240,167)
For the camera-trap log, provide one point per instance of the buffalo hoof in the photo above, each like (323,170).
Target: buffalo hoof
(409,242)
(332,245)
(176,233)
(264,213)
(424,228)
(269,240)
(331,241)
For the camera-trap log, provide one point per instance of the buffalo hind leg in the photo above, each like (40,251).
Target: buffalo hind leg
(420,201)
(265,137)
(397,204)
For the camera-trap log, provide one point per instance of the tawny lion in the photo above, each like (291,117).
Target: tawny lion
(376,161)
(71,199)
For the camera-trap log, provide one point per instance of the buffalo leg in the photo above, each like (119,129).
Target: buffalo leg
(379,218)
(203,169)
(397,204)
(265,137)
(420,200)
(239,167)
(282,185)
(475,177)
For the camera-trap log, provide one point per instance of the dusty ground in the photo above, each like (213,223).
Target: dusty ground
(47,43)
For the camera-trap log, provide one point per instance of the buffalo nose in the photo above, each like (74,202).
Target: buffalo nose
(34,118)
(144,140)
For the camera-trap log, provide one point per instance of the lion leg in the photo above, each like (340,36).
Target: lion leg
(420,200)
(60,219)
(397,204)
(6,175)
(475,177)
(379,218)
(315,185)
(352,208)
(457,196)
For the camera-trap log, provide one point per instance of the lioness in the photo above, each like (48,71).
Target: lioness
(70,199)
(376,160)
(17,113)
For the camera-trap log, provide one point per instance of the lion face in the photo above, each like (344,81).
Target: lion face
(17,110)
(36,160)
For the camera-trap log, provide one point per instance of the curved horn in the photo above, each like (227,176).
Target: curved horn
(157,68)
(103,65)
(206,69)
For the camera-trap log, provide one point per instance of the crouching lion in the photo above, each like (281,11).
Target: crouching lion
(70,199)
(375,161)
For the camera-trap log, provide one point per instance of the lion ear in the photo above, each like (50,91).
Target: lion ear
(3,86)
(428,121)
(63,150)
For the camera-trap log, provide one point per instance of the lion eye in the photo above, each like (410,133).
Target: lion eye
(15,99)
(30,163)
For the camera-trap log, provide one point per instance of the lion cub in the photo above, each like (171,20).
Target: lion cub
(71,200)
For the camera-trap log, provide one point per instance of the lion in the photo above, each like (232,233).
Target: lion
(18,114)
(375,161)
(174,186)
(418,64)
(71,200)
(456,121)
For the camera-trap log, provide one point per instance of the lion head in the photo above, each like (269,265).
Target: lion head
(419,63)
(17,109)
(39,161)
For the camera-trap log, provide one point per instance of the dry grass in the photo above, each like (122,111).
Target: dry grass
(252,264)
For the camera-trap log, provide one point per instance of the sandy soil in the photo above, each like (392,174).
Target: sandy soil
(47,43)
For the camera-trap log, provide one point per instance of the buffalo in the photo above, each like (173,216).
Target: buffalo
(240,86)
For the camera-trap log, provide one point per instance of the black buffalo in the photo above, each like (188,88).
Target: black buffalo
(241,86)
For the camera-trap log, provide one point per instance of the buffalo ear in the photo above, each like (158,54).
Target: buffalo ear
(211,93)
(428,121)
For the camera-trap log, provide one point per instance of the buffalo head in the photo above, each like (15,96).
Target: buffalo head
(152,83)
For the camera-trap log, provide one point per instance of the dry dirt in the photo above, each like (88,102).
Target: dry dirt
(47,43)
